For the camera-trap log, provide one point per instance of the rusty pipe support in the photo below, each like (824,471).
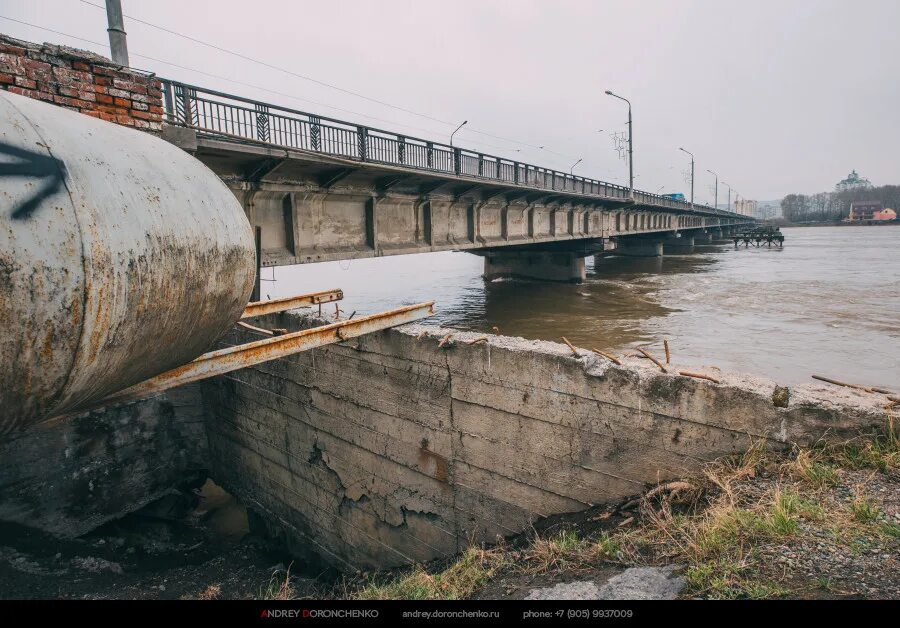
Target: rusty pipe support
(252,353)
(261,308)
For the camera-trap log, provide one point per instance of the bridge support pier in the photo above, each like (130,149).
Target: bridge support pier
(639,247)
(542,265)
(673,245)
(703,237)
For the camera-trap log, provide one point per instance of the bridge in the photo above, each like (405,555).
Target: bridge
(319,189)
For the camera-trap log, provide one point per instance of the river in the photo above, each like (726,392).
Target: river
(827,303)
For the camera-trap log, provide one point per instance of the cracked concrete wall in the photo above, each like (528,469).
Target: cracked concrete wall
(387,449)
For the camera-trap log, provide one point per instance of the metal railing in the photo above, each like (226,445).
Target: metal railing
(232,116)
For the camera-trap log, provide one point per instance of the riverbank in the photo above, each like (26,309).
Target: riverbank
(821,522)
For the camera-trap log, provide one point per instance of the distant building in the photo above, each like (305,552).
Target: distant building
(746,207)
(865,210)
(852,182)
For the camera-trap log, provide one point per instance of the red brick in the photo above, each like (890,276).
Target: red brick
(72,102)
(156,109)
(143,115)
(103,98)
(139,106)
(31,64)
(31,93)
(109,117)
(7,78)
(124,119)
(122,102)
(78,65)
(102,80)
(26,83)
(13,50)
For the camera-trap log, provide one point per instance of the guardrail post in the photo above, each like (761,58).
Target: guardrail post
(429,154)
(457,160)
(401,149)
(262,123)
(169,101)
(515,172)
(498,169)
(315,132)
(362,142)
(480,164)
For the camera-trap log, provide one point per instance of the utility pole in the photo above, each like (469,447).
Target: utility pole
(729,194)
(717,188)
(630,147)
(572,169)
(118,46)
(692,174)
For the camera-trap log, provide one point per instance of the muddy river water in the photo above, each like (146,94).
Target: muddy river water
(827,303)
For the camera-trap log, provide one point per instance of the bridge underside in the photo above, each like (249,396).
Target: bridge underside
(314,208)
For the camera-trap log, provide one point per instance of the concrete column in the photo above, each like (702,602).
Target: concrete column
(673,245)
(639,247)
(703,237)
(542,265)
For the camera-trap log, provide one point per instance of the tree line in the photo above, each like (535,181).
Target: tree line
(835,206)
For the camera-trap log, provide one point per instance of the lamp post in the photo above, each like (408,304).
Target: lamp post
(465,122)
(572,169)
(692,174)
(717,188)
(729,194)
(630,146)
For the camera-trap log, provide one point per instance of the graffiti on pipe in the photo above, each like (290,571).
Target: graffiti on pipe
(32,165)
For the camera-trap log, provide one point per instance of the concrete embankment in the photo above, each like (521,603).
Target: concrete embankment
(391,449)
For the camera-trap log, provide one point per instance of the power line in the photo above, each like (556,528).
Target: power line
(238,82)
(317,81)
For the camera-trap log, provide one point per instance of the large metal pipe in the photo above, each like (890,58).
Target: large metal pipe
(121,257)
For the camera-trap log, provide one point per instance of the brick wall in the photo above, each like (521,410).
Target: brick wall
(81,80)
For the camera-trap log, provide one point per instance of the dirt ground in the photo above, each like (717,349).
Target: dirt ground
(805,524)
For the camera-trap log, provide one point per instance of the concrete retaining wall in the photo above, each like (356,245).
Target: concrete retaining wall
(389,450)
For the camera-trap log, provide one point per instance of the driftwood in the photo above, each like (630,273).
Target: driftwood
(699,376)
(571,346)
(840,383)
(445,339)
(421,334)
(477,340)
(608,356)
(654,360)
(668,355)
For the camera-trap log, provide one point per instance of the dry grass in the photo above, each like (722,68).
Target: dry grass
(279,588)
(473,569)
(210,593)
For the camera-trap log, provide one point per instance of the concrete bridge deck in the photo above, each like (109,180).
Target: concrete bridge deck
(322,189)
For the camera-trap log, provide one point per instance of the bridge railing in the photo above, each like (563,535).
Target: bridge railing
(232,116)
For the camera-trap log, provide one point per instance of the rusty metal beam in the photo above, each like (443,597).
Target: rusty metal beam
(261,308)
(252,353)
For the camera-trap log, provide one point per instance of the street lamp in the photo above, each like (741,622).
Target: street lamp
(572,169)
(465,122)
(729,194)
(717,188)
(630,146)
(692,174)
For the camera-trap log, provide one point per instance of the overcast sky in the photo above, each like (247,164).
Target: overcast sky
(776,96)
